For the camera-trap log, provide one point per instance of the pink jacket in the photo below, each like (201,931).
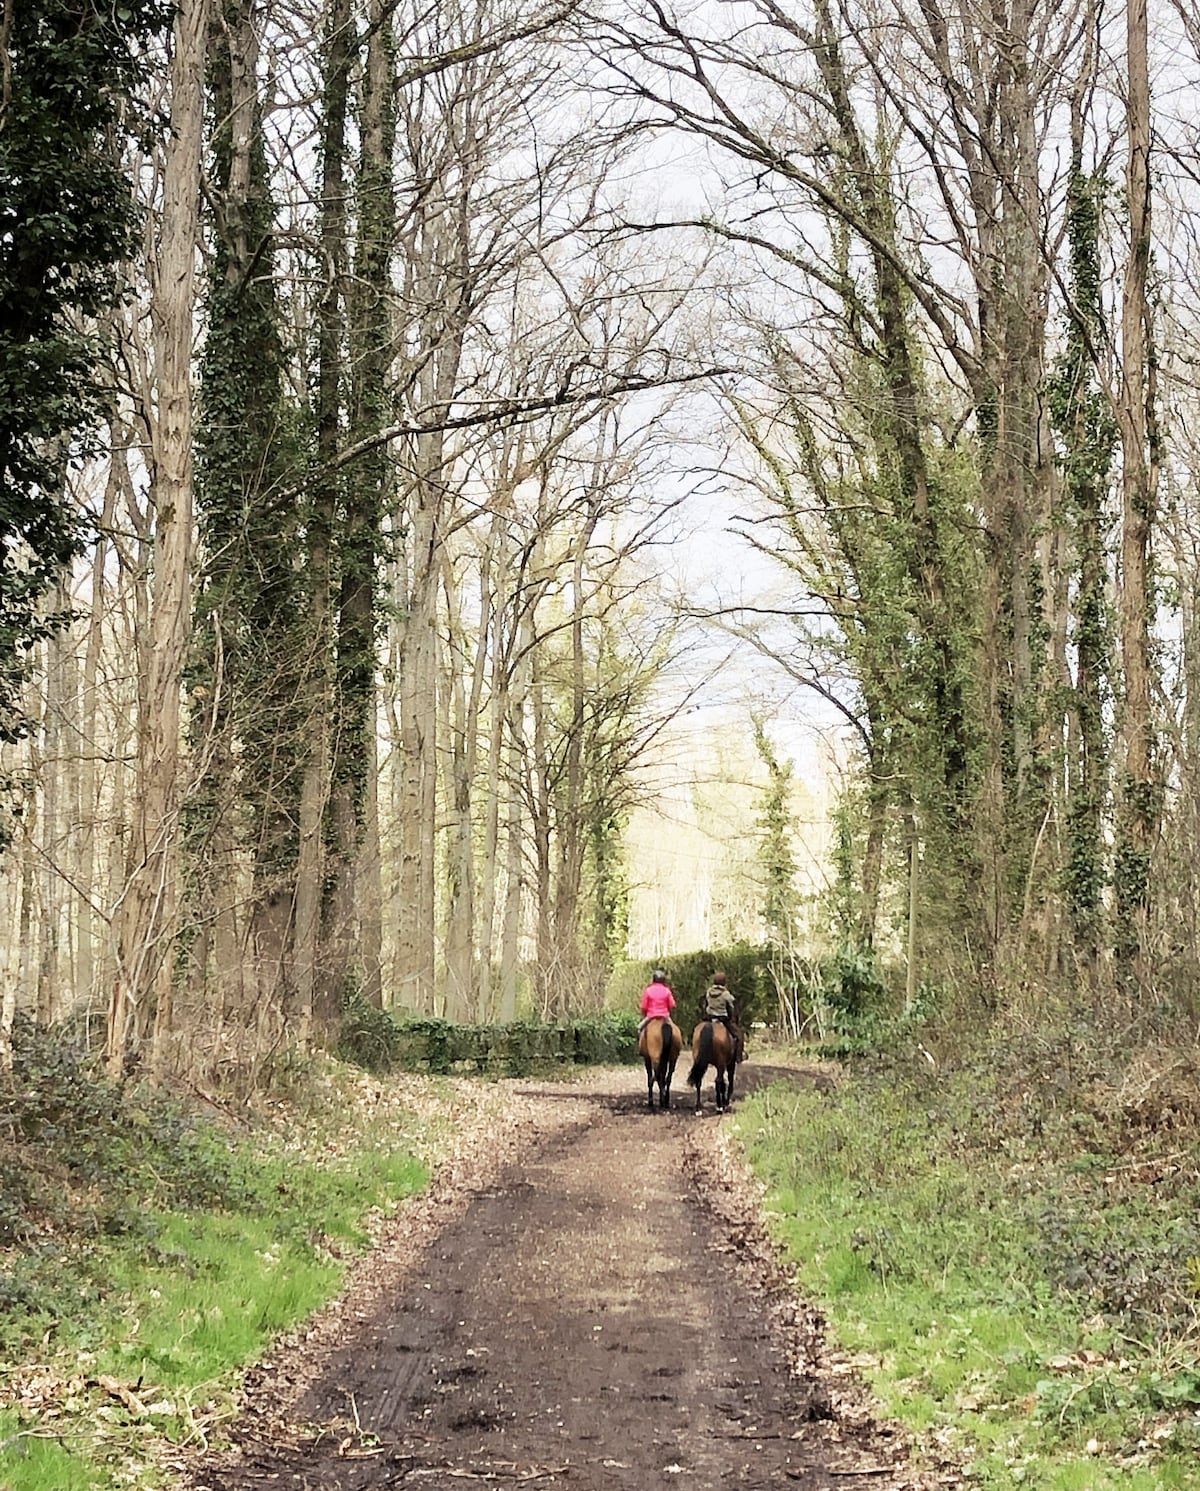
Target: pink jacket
(657,1001)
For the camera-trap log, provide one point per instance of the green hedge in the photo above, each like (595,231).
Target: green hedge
(850,982)
(381,1041)
(689,974)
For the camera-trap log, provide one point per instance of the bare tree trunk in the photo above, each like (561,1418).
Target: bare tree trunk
(570,816)
(89,804)
(547,975)
(16,978)
(489,862)
(368,877)
(516,786)
(462,728)
(418,745)
(50,1001)
(149,912)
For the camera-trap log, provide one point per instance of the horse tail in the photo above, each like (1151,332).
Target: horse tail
(663,1070)
(703,1057)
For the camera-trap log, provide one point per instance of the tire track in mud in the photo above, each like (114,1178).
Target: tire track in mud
(606,1313)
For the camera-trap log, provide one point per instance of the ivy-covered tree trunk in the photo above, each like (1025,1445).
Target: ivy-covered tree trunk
(372,337)
(1140,797)
(944,664)
(251,630)
(1086,430)
(780,899)
(316,997)
(1017,481)
(879,794)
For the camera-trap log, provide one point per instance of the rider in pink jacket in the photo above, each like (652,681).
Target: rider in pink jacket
(657,999)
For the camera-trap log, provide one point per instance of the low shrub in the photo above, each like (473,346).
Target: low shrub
(381,1041)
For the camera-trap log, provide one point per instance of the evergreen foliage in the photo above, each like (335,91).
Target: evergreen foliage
(781,901)
(607,909)
(249,633)
(749,976)
(66,223)
(363,498)
(1087,433)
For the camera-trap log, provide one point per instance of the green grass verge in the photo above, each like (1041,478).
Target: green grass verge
(124,1317)
(974,1281)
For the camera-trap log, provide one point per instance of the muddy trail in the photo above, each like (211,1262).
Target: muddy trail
(590,1302)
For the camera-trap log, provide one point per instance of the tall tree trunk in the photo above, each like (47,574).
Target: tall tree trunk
(251,602)
(50,992)
(372,337)
(518,792)
(418,750)
(1140,797)
(879,799)
(16,978)
(148,920)
(463,709)
(498,707)
(315,996)
(548,975)
(368,877)
(570,813)
(89,802)
(1084,422)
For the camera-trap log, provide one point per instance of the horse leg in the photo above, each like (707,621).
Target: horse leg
(649,1083)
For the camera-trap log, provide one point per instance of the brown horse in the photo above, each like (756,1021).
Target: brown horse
(715,1045)
(659,1046)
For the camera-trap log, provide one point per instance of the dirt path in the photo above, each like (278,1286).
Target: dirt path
(604,1311)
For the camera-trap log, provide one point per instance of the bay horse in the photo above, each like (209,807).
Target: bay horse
(715,1045)
(659,1046)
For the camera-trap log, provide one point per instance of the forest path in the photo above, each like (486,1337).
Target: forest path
(606,1312)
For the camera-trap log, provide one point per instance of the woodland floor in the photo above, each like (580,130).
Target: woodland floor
(586,1297)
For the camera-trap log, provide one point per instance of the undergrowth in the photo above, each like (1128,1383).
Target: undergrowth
(1011,1249)
(147,1252)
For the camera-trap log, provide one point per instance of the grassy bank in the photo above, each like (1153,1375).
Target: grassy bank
(1011,1251)
(147,1252)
